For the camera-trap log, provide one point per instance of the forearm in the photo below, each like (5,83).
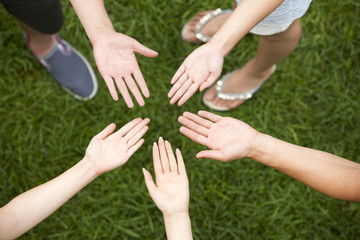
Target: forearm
(30,208)
(178,226)
(325,172)
(93,16)
(242,20)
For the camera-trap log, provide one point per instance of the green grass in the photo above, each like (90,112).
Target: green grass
(313,100)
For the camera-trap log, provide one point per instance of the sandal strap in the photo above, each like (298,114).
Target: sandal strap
(233,96)
(204,20)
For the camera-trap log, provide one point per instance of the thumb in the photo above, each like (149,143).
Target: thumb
(204,85)
(209,81)
(212,154)
(106,132)
(147,52)
(149,181)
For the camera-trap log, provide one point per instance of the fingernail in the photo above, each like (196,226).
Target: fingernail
(177,149)
(166,141)
(155,144)
(160,138)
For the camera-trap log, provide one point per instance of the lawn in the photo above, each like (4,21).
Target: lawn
(312,100)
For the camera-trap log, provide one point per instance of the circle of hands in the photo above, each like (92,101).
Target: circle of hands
(109,150)
(227,138)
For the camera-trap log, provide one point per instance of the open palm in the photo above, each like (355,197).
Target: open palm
(228,138)
(198,71)
(115,58)
(171,192)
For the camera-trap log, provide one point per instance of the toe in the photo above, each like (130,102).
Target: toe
(188,31)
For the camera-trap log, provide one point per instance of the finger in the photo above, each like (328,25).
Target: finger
(133,131)
(193,126)
(209,81)
(141,82)
(149,182)
(181,164)
(124,92)
(111,86)
(171,157)
(199,120)
(134,90)
(156,160)
(181,91)
(138,136)
(127,127)
(204,85)
(194,136)
(211,116)
(147,52)
(163,156)
(106,131)
(178,73)
(211,154)
(188,94)
(177,85)
(135,147)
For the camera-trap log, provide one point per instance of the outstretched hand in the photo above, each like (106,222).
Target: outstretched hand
(171,191)
(199,71)
(107,151)
(115,58)
(227,138)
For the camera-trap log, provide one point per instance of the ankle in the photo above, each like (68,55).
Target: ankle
(41,46)
(255,69)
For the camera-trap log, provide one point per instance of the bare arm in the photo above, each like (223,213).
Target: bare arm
(247,14)
(230,139)
(30,208)
(325,172)
(105,152)
(93,17)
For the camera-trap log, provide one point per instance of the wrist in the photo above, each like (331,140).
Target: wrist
(176,216)
(176,219)
(178,226)
(261,148)
(223,42)
(88,167)
(217,47)
(100,33)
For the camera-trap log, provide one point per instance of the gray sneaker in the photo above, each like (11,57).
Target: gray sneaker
(70,69)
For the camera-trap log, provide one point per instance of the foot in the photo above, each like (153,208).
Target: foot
(241,80)
(188,32)
(67,66)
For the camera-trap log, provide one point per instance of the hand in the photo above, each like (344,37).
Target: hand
(171,192)
(106,152)
(116,61)
(199,70)
(228,138)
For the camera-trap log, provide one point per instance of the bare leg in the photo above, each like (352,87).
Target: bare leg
(271,50)
(40,43)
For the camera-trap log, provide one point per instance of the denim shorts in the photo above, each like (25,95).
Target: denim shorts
(282,17)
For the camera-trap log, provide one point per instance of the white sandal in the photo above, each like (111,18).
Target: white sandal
(202,22)
(228,96)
